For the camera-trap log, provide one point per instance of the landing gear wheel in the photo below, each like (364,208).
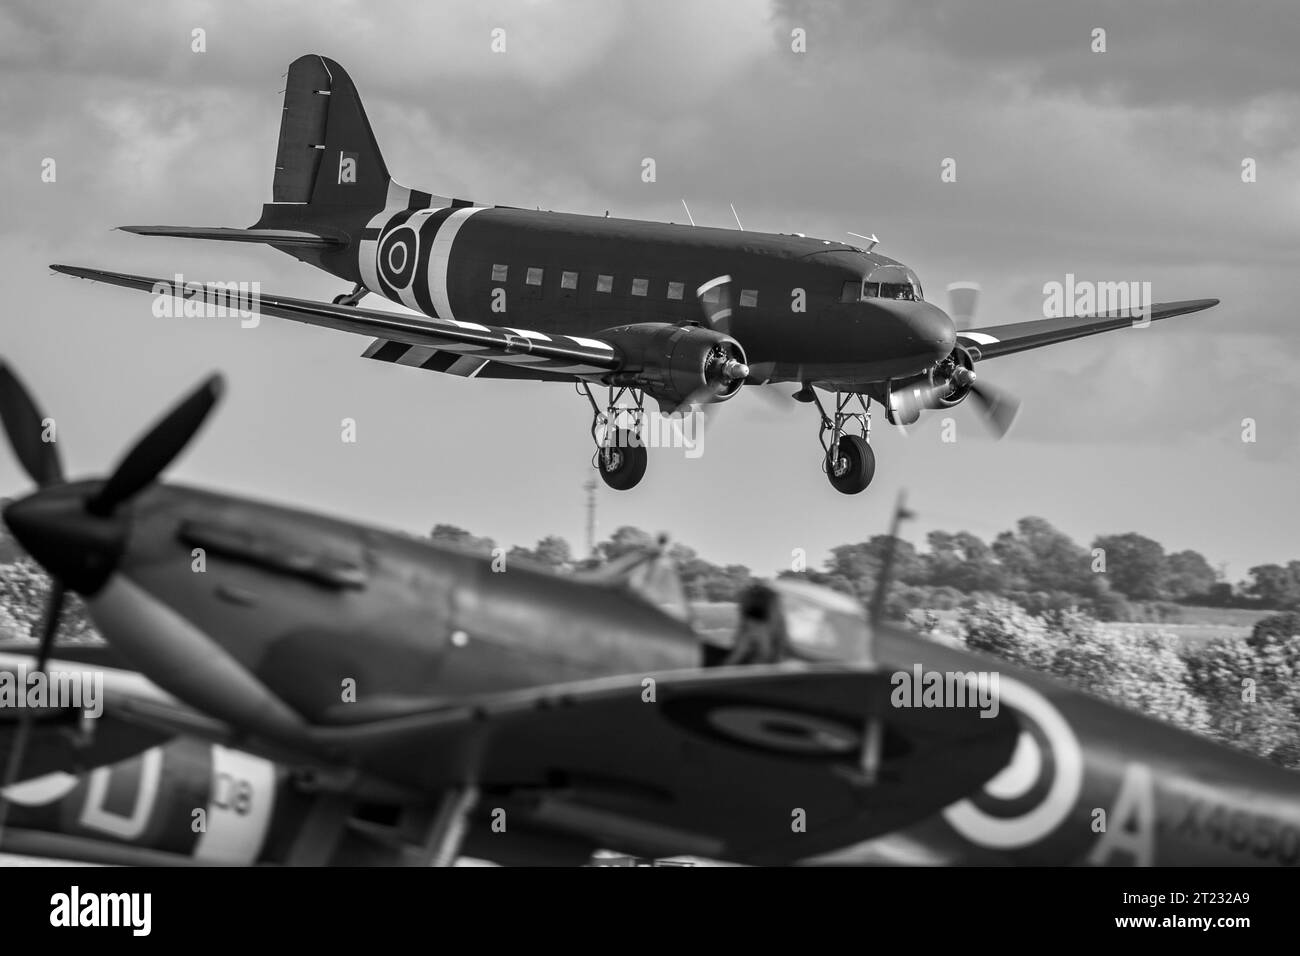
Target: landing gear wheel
(622,461)
(852,465)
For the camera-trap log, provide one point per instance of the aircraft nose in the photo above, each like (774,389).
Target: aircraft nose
(78,548)
(930,329)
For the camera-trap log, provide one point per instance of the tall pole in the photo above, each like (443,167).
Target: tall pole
(901,514)
(590,486)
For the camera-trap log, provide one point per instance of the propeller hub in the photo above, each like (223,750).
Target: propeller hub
(963,377)
(735,369)
(77,548)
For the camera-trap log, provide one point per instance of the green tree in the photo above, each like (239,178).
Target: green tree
(1249,687)
(1141,671)
(1276,586)
(460,538)
(1188,575)
(1038,557)
(962,561)
(1006,631)
(1135,565)
(551,551)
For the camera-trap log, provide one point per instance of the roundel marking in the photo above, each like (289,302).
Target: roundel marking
(397,254)
(1047,748)
(776,729)
(755,724)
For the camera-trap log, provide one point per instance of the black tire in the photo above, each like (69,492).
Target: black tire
(338,299)
(853,465)
(622,463)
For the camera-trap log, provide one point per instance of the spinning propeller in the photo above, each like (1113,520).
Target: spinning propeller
(717,303)
(76,531)
(997,407)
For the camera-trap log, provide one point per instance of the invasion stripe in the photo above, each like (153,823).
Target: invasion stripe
(428,231)
(591,343)
(441,259)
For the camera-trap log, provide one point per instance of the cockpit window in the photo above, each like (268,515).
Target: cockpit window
(892,282)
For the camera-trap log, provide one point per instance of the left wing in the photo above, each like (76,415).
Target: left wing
(422,337)
(719,763)
(997,340)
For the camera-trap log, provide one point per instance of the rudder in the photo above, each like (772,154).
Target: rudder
(327,152)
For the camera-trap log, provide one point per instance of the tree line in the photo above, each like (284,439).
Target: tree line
(1118,577)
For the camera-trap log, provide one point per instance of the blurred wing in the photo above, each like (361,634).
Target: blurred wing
(713,766)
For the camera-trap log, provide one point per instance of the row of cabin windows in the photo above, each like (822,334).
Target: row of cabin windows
(605,283)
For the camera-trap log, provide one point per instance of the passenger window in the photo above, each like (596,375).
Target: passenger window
(675,289)
(499,273)
(568,280)
(640,286)
(534,276)
(748,298)
(604,283)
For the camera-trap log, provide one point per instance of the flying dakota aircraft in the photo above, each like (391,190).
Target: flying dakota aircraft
(522,698)
(685,315)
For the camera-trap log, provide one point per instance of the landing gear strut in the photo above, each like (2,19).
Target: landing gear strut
(351,298)
(850,464)
(617,431)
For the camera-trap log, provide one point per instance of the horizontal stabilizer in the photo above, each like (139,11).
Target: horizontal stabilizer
(274,237)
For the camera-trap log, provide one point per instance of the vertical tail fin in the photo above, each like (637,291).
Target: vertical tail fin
(327,153)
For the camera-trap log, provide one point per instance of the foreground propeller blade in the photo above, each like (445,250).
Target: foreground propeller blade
(13,769)
(23,424)
(998,407)
(157,449)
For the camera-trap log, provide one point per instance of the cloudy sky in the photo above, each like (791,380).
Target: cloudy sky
(1122,165)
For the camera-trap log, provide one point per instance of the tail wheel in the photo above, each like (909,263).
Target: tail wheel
(852,465)
(622,461)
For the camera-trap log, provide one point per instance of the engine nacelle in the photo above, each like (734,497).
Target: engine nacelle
(945,385)
(678,364)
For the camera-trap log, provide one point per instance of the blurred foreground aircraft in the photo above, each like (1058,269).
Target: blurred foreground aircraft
(372,697)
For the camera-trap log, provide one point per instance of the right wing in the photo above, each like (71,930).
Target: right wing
(997,340)
(420,338)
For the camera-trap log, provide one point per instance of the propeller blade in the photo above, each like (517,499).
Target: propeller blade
(774,397)
(50,623)
(152,453)
(23,424)
(716,305)
(963,303)
(13,769)
(999,408)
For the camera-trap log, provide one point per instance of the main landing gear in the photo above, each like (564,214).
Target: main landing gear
(617,431)
(850,464)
